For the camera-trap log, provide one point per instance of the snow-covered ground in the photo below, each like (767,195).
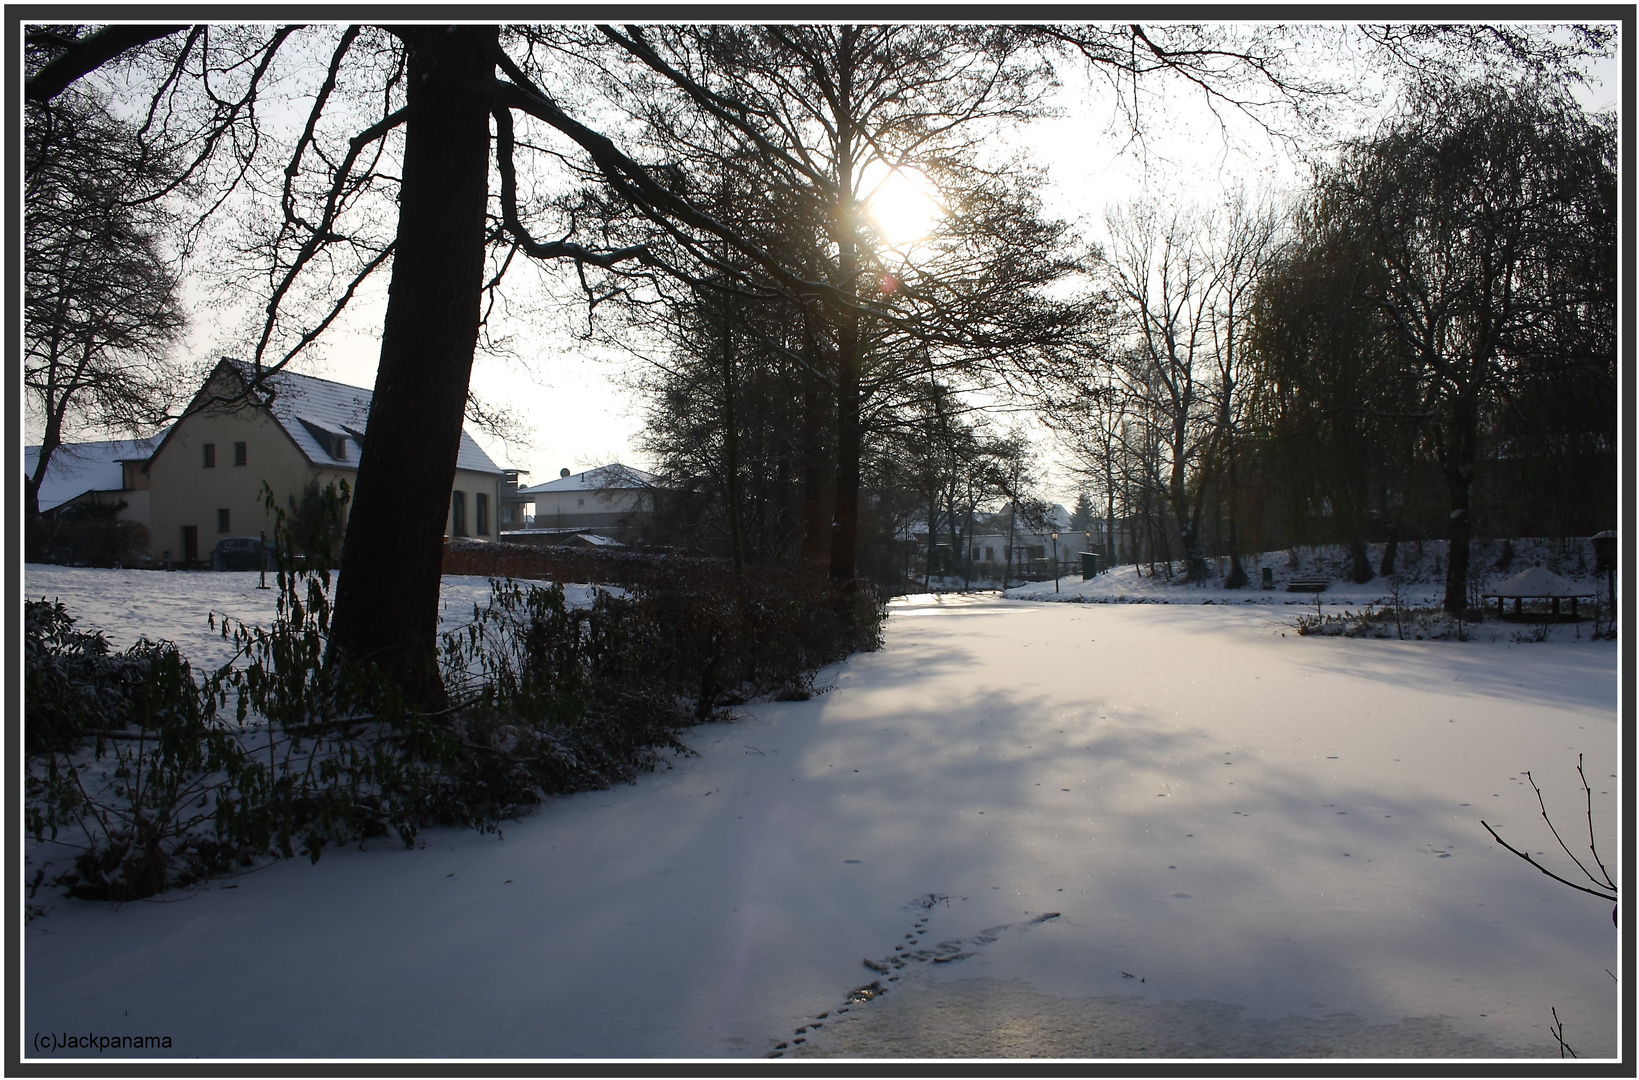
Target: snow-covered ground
(176,606)
(1420,577)
(1060,831)
(1417,590)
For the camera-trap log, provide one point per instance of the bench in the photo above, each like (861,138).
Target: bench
(1308,584)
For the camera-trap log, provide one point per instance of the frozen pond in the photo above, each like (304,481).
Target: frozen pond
(1052,830)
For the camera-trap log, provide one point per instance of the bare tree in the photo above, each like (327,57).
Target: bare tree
(405,111)
(832,113)
(1247,244)
(1487,212)
(404,115)
(101,306)
(1169,281)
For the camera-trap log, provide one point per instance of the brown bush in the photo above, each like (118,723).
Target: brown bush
(541,562)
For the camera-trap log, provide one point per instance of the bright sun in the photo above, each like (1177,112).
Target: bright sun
(903,205)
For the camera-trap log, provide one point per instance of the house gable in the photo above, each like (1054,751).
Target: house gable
(294,430)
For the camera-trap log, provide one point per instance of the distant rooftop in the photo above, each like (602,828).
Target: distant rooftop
(615,477)
(76,468)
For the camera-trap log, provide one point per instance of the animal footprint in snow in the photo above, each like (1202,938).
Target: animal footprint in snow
(945,952)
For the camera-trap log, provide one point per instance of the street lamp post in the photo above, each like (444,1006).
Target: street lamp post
(1055,537)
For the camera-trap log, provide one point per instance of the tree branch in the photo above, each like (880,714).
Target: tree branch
(1579,888)
(85,55)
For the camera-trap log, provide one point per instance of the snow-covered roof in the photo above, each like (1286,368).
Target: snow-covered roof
(76,468)
(1538,582)
(327,420)
(616,477)
(557,530)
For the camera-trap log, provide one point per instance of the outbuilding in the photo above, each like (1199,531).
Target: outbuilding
(615,501)
(1541,586)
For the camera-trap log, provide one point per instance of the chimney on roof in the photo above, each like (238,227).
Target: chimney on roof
(563,473)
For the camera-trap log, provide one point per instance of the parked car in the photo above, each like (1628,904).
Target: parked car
(243,553)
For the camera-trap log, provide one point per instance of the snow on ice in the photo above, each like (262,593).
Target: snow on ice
(1019,829)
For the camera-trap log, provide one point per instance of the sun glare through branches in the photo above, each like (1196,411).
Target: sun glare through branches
(903,204)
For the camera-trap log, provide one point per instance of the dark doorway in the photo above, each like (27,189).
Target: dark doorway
(190,544)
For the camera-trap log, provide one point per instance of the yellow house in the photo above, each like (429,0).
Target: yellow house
(205,479)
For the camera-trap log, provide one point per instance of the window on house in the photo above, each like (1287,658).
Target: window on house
(458,513)
(210,455)
(240,454)
(222,521)
(580,502)
(480,513)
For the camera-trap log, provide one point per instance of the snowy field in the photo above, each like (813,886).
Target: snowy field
(128,604)
(1045,830)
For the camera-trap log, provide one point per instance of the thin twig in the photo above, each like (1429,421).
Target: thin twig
(1558,1032)
(1592,846)
(1545,870)
(1555,831)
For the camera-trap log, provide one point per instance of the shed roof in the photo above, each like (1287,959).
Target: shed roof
(76,468)
(1538,581)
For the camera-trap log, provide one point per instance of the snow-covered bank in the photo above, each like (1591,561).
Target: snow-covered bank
(1277,838)
(1417,592)
(1420,578)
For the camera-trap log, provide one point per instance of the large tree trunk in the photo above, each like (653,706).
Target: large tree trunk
(1359,558)
(927,565)
(1237,572)
(386,610)
(50,440)
(845,506)
(1390,550)
(731,425)
(1184,513)
(850,339)
(967,551)
(731,449)
(1112,543)
(1457,461)
(816,519)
